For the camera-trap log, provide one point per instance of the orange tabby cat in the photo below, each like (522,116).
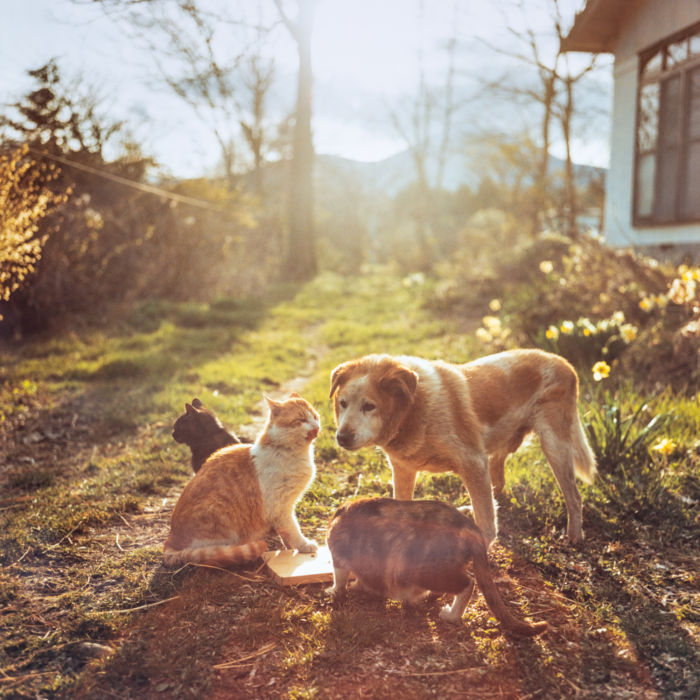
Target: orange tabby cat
(243,491)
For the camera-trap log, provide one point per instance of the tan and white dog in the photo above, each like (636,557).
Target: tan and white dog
(435,416)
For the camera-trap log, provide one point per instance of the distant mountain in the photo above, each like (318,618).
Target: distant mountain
(397,172)
(393,174)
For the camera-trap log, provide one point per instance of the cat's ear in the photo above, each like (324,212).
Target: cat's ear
(197,403)
(271,403)
(294,395)
(190,409)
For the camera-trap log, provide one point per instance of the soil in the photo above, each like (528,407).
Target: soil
(237,634)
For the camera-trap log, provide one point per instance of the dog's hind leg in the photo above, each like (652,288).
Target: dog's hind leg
(497,468)
(559,453)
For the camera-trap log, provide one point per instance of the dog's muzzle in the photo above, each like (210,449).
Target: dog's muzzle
(345,438)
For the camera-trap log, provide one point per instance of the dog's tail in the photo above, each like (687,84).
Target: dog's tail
(493,599)
(215,555)
(584,458)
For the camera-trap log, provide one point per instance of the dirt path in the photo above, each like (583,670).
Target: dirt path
(316,351)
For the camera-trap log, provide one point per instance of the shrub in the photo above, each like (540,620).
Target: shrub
(621,442)
(25,200)
(596,306)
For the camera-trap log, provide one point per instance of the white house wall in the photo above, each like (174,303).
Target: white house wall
(652,22)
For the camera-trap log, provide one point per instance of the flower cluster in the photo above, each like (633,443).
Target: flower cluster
(584,327)
(683,292)
(649,303)
(493,332)
(684,289)
(586,342)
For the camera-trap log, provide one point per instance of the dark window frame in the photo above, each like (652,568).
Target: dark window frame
(657,67)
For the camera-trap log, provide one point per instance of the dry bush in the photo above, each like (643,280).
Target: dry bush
(25,201)
(595,305)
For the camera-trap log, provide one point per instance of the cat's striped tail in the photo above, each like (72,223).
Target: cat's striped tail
(482,573)
(215,555)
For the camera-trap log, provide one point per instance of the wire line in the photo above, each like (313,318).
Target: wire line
(150,189)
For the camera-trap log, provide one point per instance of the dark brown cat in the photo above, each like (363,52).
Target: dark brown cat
(404,549)
(200,429)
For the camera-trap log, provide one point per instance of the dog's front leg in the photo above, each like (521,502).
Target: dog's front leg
(404,480)
(474,472)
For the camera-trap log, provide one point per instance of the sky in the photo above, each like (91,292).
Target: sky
(366,56)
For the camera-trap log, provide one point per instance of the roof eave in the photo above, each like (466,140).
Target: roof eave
(597,26)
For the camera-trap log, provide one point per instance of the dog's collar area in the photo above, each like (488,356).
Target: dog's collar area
(396,438)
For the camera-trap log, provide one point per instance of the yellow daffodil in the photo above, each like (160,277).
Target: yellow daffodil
(601,370)
(415,279)
(546,266)
(628,332)
(587,328)
(646,304)
(567,327)
(665,446)
(495,305)
(493,323)
(483,335)
(552,333)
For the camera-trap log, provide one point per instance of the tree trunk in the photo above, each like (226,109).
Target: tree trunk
(300,258)
(571,205)
(542,174)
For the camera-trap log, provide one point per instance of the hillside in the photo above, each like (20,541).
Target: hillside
(391,175)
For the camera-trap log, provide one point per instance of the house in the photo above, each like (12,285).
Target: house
(653,183)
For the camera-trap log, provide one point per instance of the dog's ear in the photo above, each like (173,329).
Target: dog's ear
(190,409)
(339,376)
(400,381)
(197,403)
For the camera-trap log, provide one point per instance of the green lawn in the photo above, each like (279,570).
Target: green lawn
(89,474)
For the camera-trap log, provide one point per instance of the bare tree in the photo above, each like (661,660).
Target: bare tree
(191,45)
(554,91)
(218,85)
(257,78)
(426,126)
(300,257)
(564,111)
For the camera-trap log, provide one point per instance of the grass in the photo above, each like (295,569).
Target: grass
(90,474)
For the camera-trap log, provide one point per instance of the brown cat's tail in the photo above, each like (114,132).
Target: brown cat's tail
(215,555)
(482,572)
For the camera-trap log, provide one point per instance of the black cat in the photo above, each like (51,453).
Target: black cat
(202,432)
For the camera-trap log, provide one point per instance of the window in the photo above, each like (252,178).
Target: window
(667,153)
